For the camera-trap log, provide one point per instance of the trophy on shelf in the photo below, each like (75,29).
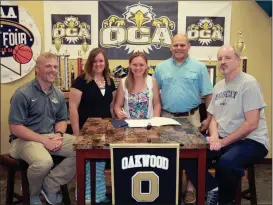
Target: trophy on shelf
(79,63)
(85,45)
(66,71)
(240,46)
(58,44)
(62,79)
(210,57)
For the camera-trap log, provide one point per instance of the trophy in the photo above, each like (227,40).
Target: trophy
(66,71)
(85,46)
(58,44)
(240,46)
(209,59)
(79,63)
(62,79)
(59,78)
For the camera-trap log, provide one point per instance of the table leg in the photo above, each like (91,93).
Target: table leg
(201,176)
(180,183)
(80,167)
(93,181)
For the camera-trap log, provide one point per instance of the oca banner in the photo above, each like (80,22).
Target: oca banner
(125,28)
(206,24)
(70,27)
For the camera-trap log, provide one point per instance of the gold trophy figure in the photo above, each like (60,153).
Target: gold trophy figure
(210,57)
(240,45)
(58,44)
(85,46)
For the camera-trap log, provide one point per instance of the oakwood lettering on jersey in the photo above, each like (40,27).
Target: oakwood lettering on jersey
(145,160)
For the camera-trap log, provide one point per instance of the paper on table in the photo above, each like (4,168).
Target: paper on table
(155,121)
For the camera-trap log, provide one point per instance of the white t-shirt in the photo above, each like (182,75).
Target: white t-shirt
(230,102)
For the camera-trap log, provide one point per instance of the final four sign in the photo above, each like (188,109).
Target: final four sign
(145,173)
(20,42)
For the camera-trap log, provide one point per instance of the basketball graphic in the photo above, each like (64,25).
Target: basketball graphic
(22,53)
(21,42)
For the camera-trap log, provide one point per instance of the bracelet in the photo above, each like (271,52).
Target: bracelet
(62,134)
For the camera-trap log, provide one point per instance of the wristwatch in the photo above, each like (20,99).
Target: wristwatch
(62,134)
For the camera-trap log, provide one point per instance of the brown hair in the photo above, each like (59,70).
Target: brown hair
(129,82)
(88,67)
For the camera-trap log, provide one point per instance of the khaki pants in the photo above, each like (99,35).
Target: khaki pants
(40,163)
(194,119)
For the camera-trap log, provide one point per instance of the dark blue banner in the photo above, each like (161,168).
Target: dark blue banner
(128,27)
(12,32)
(73,29)
(205,31)
(145,175)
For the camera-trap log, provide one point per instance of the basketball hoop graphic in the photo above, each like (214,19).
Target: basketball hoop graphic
(22,54)
(20,42)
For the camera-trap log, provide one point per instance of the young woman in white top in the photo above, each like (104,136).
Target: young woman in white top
(138,93)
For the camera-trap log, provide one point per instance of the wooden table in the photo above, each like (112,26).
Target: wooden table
(97,134)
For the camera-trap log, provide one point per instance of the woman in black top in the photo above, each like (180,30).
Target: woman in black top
(92,95)
(92,92)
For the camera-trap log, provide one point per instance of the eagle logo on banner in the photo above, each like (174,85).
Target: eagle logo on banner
(137,30)
(205,31)
(71,29)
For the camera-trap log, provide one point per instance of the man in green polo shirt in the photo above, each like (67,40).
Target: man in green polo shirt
(37,121)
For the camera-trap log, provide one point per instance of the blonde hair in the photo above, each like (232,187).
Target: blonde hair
(44,55)
(88,68)
(129,82)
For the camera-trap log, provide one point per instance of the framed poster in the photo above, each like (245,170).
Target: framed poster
(206,24)
(70,27)
(144,173)
(126,27)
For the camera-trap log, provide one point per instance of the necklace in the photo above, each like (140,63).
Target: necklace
(100,82)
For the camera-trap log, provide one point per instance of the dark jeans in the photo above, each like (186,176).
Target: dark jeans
(231,163)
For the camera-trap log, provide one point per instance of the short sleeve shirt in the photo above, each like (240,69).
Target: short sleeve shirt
(181,85)
(230,102)
(37,110)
